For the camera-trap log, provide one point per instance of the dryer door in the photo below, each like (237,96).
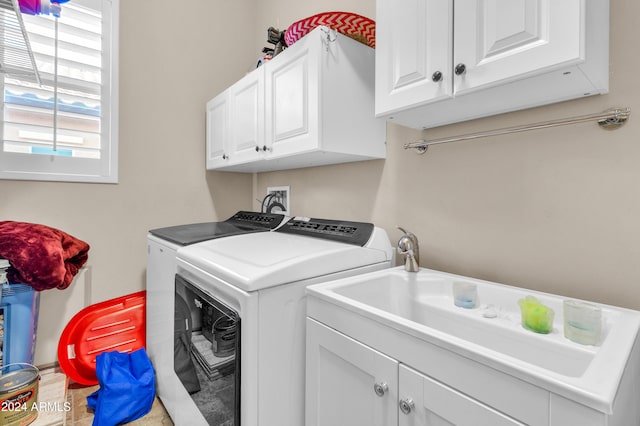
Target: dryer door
(207,353)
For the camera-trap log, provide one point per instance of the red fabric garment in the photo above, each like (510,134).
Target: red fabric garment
(40,256)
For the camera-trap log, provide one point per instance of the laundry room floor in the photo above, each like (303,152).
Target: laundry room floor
(55,390)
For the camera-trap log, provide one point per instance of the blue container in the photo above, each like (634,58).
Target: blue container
(20,304)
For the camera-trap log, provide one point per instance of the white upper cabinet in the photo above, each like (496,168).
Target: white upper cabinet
(217,116)
(444,61)
(497,41)
(414,46)
(292,92)
(234,122)
(246,118)
(311,105)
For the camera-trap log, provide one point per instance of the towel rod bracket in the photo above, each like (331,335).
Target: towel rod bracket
(619,116)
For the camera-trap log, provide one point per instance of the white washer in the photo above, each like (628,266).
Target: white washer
(162,247)
(262,277)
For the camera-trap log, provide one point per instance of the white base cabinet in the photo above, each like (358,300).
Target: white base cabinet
(427,402)
(351,384)
(311,105)
(340,380)
(360,373)
(445,61)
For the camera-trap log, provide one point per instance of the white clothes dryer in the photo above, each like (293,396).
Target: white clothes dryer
(259,280)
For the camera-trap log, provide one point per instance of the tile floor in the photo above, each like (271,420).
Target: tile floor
(55,390)
(80,415)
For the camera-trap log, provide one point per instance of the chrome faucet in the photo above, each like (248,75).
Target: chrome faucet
(408,245)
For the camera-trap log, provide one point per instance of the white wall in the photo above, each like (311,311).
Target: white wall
(57,308)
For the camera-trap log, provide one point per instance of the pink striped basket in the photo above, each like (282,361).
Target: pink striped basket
(358,27)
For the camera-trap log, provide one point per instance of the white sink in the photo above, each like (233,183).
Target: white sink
(427,299)
(421,304)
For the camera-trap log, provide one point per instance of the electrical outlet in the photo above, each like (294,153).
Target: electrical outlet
(279,202)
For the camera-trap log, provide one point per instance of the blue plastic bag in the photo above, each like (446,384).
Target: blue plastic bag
(127,387)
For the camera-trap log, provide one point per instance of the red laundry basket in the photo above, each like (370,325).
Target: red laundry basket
(114,325)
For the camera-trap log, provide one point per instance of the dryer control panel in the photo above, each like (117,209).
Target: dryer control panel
(356,233)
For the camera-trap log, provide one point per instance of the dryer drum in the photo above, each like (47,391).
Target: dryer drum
(224,336)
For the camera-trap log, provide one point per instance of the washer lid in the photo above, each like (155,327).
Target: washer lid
(240,223)
(256,261)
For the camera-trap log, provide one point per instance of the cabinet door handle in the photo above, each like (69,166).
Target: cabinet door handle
(225,157)
(436,76)
(406,405)
(257,148)
(380,388)
(460,69)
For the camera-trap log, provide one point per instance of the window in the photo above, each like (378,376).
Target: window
(65,127)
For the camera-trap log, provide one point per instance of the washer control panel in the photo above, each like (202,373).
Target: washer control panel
(356,233)
(256,219)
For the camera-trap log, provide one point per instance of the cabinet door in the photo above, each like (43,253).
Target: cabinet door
(246,118)
(413,53)
(501,40)
(217,131)
(428,402)
(340,377)
(292,109)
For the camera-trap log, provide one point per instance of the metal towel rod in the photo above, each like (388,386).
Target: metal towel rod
(609,119)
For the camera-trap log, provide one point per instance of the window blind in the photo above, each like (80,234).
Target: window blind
(66,121)
(63,126)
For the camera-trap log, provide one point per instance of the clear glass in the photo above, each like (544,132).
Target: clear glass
(465,295)
(582,322)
